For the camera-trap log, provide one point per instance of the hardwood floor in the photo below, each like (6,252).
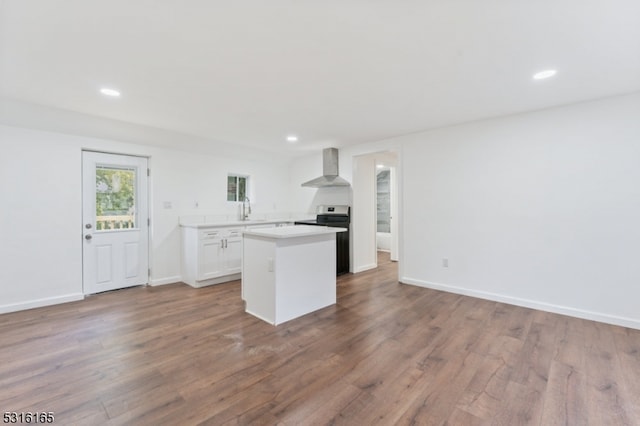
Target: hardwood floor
(387,353)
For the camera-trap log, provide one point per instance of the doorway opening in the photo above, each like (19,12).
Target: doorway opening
(387,204)
(375,216)
(386,211)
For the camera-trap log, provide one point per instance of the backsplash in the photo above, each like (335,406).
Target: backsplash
(222,218)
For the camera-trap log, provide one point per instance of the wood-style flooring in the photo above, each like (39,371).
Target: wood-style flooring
(387,354)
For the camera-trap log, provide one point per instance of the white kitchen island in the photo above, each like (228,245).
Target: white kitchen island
(288,272)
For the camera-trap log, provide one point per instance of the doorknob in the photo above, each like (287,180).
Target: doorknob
(88,237)
(88,226)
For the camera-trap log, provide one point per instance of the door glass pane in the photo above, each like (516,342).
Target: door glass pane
(115,198)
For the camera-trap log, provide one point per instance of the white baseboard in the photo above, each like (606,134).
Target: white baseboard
(365,268)
(213,281)
(260,317)
(38,303)
(548,307)
(166,280)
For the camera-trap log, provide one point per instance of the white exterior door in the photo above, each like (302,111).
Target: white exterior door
(115,228)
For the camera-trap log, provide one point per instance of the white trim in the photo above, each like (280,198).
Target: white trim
(262,317)
(365,268)
(548,307)
(401,217)
(213,281)
(165,281)
(38,303)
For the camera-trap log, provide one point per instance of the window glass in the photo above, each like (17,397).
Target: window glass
(242,188)
(232,188)
(237,187)
(115,198)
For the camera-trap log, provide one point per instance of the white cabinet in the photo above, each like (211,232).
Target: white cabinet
(210,246)
(211,256)
(232,252)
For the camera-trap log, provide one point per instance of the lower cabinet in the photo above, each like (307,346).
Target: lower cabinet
(209,263)
(219,253)
(232,254)
(213,255)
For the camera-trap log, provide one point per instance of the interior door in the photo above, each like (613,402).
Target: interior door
(115,227)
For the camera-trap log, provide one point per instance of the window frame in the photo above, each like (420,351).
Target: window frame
(237,176)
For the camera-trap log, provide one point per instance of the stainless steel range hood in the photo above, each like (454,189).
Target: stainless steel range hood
(329,171)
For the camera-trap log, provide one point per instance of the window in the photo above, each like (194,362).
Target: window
(237,186)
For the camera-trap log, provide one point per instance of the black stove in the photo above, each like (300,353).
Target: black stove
(338,217)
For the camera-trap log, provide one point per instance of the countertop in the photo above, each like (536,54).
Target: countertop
(235,223)
(293,231)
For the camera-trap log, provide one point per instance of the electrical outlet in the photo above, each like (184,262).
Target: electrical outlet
(445,262)
(167,205)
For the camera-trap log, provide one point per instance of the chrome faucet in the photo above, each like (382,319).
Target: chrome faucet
(246,208)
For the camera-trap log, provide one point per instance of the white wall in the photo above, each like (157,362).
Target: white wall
(309,167)
(305,200)
(40,188)
(363,225)
(40,251)
(539,209)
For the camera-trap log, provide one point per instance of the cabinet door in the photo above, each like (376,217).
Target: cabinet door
(210,259)
(233,255)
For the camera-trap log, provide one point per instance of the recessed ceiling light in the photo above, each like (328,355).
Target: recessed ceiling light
(380,166)
(544,74)
(292,138)
(110,92)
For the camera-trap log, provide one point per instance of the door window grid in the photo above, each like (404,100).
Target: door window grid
(115,198)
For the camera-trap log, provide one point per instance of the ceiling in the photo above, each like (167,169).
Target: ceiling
(332,72)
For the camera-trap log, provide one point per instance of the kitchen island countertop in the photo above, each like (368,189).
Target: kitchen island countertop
(293,231)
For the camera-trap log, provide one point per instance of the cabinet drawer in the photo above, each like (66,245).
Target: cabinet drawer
(230,233)
(209,235)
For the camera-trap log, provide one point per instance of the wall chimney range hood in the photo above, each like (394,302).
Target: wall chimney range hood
(329,171)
